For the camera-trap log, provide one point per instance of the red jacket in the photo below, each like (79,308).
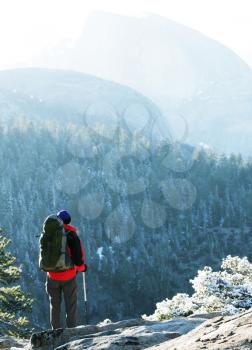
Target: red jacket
(76,252)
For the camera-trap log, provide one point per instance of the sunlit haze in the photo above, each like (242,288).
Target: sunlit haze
(28,27)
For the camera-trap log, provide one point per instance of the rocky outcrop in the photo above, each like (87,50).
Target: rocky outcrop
(233,332)
(129,334)
(10,343)
(192,333)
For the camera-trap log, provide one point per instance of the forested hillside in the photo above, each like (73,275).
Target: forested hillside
(150,215)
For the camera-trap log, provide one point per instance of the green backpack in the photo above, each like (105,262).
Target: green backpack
(54,252)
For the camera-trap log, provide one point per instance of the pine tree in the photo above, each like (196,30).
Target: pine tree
(13,301)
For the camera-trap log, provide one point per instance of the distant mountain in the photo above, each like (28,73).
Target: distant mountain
(180,69)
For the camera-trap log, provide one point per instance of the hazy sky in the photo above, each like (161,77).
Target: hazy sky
(27,27)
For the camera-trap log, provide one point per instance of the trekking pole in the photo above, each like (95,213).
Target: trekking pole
(85,296)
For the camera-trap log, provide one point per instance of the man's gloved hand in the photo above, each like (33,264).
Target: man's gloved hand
(82,268)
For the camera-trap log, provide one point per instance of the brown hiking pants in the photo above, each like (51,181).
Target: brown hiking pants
(54,290)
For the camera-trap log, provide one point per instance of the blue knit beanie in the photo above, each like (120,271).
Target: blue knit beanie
(64,216)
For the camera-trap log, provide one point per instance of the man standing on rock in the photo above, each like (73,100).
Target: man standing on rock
(62,268)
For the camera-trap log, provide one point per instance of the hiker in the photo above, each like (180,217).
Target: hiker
(62,264)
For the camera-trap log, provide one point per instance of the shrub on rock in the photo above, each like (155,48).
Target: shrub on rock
(228,291)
